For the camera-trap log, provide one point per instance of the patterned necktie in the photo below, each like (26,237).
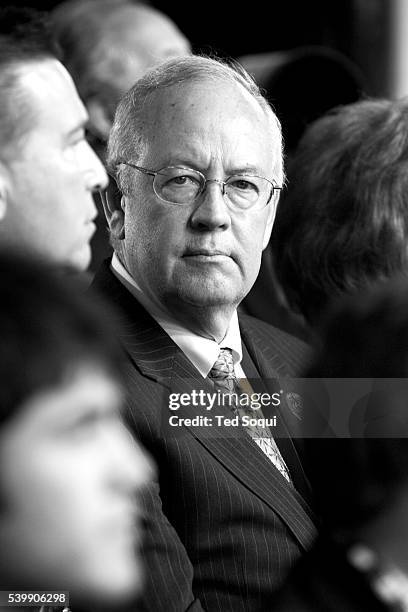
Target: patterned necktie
(223,375)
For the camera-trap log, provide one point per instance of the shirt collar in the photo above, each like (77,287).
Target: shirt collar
(202,352)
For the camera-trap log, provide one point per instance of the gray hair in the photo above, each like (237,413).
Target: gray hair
(126,140)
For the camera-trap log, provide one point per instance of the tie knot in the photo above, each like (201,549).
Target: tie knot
(222,373)
(223,368)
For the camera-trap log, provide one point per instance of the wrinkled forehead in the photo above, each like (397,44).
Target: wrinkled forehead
(210,93)
(214,109)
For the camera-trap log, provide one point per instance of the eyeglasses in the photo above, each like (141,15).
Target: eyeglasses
(182,186)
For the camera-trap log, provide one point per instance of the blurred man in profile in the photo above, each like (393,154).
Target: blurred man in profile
(48,171)
(106,46)
(70,473)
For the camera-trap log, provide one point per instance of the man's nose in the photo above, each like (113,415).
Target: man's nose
(96,176)
(211,211)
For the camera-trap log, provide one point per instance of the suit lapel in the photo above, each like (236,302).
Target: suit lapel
(159,358)
(288,423)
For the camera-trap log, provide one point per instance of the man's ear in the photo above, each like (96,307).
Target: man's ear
(99,121)
(113,206)
(273,205)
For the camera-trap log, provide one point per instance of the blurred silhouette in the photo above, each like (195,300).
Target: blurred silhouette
(366,336)
(360,484)
(344,222)
(70,472)
(107,45)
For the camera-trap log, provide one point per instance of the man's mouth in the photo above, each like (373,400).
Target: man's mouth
(206,253)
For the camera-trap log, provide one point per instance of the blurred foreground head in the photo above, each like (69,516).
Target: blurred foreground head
(69,470)
(47,169)
(107,45)
(343,224)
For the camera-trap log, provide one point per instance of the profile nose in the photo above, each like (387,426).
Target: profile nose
(211,211)
(97,177)
(144,468)
(132,465)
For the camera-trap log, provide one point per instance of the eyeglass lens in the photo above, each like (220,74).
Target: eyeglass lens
(182,186)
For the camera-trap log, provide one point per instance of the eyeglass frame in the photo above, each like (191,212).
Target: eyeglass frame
(222,184)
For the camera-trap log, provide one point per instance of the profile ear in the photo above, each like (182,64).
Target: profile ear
(113,206)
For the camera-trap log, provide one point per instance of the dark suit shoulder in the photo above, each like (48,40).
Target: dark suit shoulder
(273,333)
(286,354)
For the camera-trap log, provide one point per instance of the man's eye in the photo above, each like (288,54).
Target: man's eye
(183,181)
(90,423)
(76,138)
(243,185)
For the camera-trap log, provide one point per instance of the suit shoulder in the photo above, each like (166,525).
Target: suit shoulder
(274,334)
(285,352)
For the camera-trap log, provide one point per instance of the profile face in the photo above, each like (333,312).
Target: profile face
(70,476)
(203,253)
(50,178)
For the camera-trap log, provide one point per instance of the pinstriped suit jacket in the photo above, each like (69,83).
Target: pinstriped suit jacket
(223,526)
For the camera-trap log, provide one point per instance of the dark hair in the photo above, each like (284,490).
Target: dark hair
(47,327)
(24,38)
(343,222)
(355,479)
(365,336)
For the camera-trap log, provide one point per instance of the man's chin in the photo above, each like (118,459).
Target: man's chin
(207,294)
(120,585)
(80,260)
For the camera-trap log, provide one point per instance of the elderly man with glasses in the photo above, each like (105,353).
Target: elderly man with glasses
(196,152)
